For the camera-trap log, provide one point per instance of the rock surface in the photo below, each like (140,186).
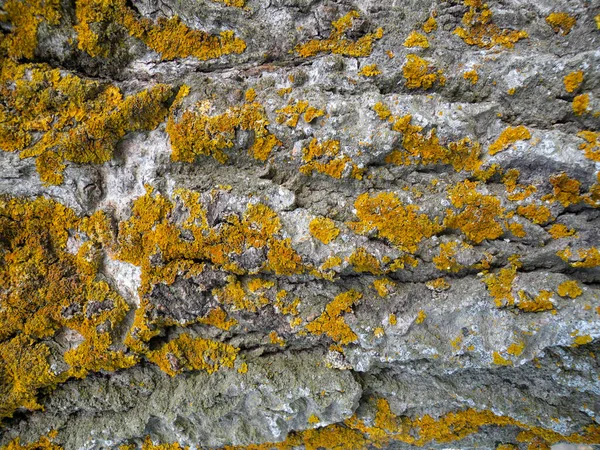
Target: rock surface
(299,224)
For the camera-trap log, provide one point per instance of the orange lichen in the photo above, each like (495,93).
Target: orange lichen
(426,149)
(392,320)
(378,332)
(439,284)
(591,148)
(57,118)
(25,17)
(198,133)
(43,443)
(478,28)
(323,229)
(500,361)
(539,303)
(561,22)
(500,285)
(581,104)
(538,214)
(419,74)
(559,230)
(235,3)
(516,349)
(370,70)
(478,216)
(565,190)
(274,338)
(46,288)
(573,80)
(399,224)
(588,257)
(472,76)
(331,321)
(569,289)
(446,260)
(169,37)
(421,316)
(324,158)
(430,24)
(509,136)
(383,286)
(188,353)
(290,114)
(337,42)
(416,39)
(363,261)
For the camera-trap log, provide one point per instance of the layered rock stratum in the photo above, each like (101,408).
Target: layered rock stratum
(255,224)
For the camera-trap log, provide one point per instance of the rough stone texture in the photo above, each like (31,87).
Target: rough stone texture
(438,356)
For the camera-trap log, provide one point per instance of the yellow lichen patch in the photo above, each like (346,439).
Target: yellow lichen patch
(508,137)
(25,16)
(478,28)
(188,353)
(588,257)
(323,229)
(446,260)
(45,288)
(516,349)
(538,214)
(430,24)
(559,230)
(478,214)
(383,286)
(331,321)
(337,42)
(57,118)
(218,318)
(472,76)
(582,340)
(363,261)
(370,70)
(591,148)
(419,74)
(378,332)
(539,303)
(324,158)
(392,320)
(510,179)
(149,445)
(392,220)
(500,361)
(243,368)
(500,285)
(439,284)
(290,114)
(331,262)
(421,316)
(275,339)
(150,235)
(312,113)
(235,3)
(517,229)
(198,133)
(561,22)
(426,149)
(569,289)
(313,419)
(573,80)
(565,190)
(581,104)
(416,39)
(169,37)
(43,443)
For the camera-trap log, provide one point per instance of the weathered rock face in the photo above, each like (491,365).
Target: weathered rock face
(300,223)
